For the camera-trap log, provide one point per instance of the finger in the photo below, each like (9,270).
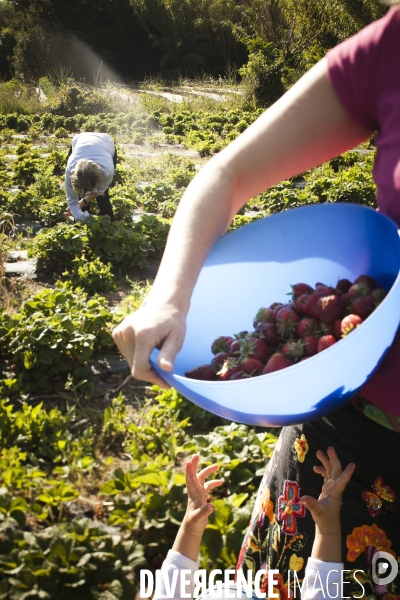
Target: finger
(206,472)
(140,366)
(325,461)
(210,485)
(204,511)
(309,502)
(320,470)
(344,478)
(193,486)
(168,352)
(336,467)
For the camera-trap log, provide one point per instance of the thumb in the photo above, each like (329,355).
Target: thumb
(204,511)
(168,352)
(310,503)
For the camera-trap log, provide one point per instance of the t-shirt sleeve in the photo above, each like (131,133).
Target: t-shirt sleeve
(353,69)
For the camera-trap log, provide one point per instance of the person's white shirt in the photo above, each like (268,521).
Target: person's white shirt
(322,579)
(98,147)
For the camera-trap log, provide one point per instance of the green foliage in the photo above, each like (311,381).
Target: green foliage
(54,335)
(118,243)
(264,71)
(57,247)
(205,132)
(92,276)
(77,558)
(25,169)
(159,197)
(156,229)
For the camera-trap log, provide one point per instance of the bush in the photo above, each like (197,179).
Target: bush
(54,335)
(78,556)
(156,229)
(114,242)
(56,248)
(92,276)
(118,243)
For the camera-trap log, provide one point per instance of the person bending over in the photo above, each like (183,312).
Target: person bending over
(90,170)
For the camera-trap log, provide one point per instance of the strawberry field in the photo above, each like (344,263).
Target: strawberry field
(91,463)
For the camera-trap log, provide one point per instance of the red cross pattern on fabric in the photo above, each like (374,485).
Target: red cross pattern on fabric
(290,507)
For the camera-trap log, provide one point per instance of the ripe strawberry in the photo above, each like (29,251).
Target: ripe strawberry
(299,303)
(252,347)
(324,290)
(349,323)
(276,308)
(356,290)
(218,360)
(275,305)
(307,326)
(310,345)
(343,285)
(204,372)
(330,308)
(367,280)
(325,342)
(293,350)
(276,362)
(241,335)
(379,294)
(221,344)
(234,348)
(264,315)
(238,375)
(229,367)
(301,288)
(337,328)
(310,305)
(269,333)
(287,321)
(363,306)
(251,366)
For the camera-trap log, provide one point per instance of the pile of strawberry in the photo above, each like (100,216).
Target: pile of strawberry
(285,334)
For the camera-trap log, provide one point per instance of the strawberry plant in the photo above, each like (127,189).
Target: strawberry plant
(54,335)
(92,276)
(78,556)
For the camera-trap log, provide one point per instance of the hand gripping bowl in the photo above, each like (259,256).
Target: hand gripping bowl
(255,266)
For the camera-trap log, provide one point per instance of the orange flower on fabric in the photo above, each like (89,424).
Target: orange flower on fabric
(267,508)
(368,539)
(301,447)
(279,589)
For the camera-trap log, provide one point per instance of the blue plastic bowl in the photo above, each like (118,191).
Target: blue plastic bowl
(255,266)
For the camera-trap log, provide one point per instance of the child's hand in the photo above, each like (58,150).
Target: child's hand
(326,510)
(198,508)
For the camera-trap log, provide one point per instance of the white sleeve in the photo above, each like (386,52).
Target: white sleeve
(73,199)
(172,577)
(106,182)
(322,580)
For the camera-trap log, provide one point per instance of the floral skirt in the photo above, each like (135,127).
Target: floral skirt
(370,516)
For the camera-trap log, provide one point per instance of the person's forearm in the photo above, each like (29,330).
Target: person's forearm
(187,542)
(328,546)
(306,127)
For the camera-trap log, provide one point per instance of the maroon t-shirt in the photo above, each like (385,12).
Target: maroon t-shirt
(365,73)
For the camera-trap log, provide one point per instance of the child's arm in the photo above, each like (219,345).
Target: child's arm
(326,510)
(188,539)
(185,551)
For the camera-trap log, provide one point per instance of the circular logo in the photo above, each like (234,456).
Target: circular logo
(384,568)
